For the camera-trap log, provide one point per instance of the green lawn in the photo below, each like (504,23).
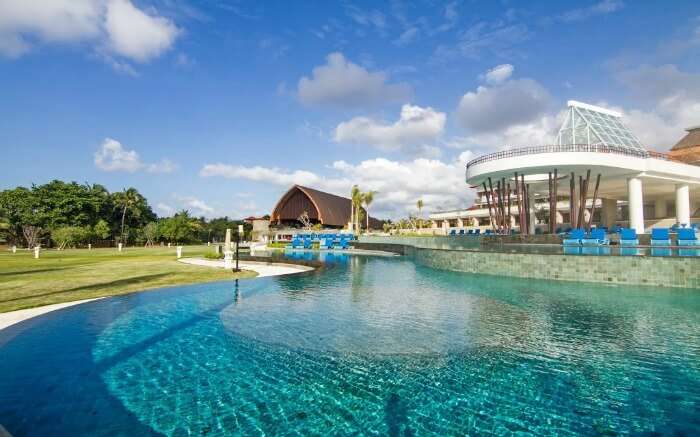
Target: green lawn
(67,275)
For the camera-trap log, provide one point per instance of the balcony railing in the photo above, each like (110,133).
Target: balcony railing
(595,148)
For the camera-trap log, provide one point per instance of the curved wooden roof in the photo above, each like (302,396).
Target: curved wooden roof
(328,209)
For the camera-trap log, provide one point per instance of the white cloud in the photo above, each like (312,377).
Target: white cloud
(260,174)
(494,108)
(340,82)
(195,205)
(165,209)
(670,99)
(415,129)
(112,156)
(499,74)
(399,184)
(602,8)
(163,166)
(56,21)
(135,34)
(114,27)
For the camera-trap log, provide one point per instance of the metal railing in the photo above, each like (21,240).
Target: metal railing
(595,148)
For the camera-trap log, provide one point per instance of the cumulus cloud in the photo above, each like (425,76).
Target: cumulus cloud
(494,108)
(136,35)
(499,74)
(414,131)
(112,156)
(340,82)
(260,174)
(398,183)
(114,27)
(195,205)
(670,100)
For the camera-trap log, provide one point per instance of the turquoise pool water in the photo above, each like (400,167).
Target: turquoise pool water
(367,345)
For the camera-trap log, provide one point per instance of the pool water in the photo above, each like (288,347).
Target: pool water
(366,345)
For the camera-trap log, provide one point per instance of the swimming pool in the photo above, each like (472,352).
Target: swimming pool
(365,345)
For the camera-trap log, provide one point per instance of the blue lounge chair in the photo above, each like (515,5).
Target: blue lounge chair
(325,243)
(597,237)
(308,242)
(461,232)
(660,237)
(453,232)
(297,243)
(574,237)
(470,232)
(687,237)
(477,232)
(628,237)
(344,243)
(572,249)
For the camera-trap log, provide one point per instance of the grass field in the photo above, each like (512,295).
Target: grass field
(68,275)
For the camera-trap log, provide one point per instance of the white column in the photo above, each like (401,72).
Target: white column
(660,210)
(460,222)
(682,204)
(636,204)
(609,212)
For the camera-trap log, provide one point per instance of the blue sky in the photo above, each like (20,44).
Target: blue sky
(218,107)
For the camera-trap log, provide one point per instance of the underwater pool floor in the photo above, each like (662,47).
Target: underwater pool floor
(366,345)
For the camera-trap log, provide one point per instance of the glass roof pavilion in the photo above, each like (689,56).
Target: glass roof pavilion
(593,125)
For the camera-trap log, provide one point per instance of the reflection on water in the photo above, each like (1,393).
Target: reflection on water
(376,345)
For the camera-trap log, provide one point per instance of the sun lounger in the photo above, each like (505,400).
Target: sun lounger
(628,237)
(461,232)
(453,232)
(687,237)
(297,243)
(596,237)
(325,243)
(660,237)
(344,243)
(574,237)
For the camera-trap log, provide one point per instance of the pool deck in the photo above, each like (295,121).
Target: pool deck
(262,269)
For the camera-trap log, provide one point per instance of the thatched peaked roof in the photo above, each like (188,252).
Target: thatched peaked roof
(688,148)
(692,139)
(328,209)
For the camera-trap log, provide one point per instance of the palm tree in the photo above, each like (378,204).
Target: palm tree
(127,200)
(368,198)
(419,204)
(356,197)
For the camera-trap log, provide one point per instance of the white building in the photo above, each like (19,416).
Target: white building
(638,188)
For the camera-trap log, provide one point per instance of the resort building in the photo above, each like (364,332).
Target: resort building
(321,208)
(597,173)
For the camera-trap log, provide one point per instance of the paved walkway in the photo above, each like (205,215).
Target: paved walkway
(262,268)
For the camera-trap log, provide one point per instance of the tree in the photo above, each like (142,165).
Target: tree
(355,199)
(151,233)
(70,236)
(180,228)
(130,200)
(102,230)
(368,197)
(419,205)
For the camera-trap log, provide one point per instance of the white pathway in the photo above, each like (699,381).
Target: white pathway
(263,269)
